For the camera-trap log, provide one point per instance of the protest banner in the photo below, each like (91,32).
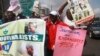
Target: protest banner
(22,38)
(69,42)
(81,11)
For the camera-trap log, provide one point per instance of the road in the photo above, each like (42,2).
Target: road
(92,47)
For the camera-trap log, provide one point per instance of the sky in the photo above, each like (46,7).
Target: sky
(95,4)
(55,4)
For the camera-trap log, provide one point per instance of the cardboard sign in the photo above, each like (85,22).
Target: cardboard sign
(69,42)
(81,11)
(22,38)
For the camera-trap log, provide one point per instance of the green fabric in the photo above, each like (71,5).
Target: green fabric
(26,5)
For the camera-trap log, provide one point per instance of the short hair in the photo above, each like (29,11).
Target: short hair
(33,23)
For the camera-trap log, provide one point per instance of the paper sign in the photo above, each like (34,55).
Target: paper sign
(81,11)
(69,42)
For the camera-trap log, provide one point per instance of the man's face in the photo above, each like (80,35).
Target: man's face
(53,18)
(31,28)
(30,50)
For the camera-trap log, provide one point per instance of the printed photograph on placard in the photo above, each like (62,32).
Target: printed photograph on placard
(80,9)
(29,49)
(30,28)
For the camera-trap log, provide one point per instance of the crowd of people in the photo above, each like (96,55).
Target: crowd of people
(9,16)
(52,20)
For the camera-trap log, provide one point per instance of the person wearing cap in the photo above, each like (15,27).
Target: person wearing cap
(51,25)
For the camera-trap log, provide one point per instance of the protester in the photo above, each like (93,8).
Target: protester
(52,22)
(9,16)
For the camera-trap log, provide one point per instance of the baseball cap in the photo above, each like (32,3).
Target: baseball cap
(54,13)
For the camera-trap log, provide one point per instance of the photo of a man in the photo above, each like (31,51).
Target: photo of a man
(30,50)
(27,49)
(30,28)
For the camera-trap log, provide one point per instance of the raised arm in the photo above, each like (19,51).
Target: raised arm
(60,10)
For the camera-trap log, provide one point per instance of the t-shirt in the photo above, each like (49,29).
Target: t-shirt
(51,30)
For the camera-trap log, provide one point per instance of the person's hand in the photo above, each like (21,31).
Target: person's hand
(71,27)
(53,47)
